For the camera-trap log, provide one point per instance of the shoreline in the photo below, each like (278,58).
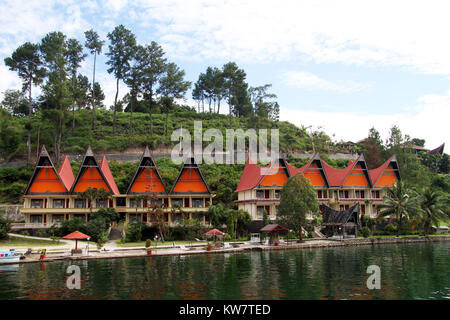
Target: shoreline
(173,251)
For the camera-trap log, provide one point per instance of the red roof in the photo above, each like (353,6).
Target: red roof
(273,227)
(336,177)
(214,232)
(66,174)
(250,176)
(77,235)
(108,175)
(376,173)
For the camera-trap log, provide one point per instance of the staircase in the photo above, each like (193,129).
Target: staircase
(116,231)
(318,233)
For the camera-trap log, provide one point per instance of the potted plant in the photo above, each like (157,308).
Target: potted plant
(208,246)
(148,243)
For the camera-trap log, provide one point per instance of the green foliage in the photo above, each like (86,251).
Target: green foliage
(365,232)
(5,228)
(69,226)
(298,198)
(134,231)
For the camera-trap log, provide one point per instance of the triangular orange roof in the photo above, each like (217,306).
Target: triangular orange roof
(147,177)
(94,176)
(45,179)
(190,179)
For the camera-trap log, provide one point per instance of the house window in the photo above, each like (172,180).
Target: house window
(186,202)
(57,218)
(319,194)
(157,203)
(341,208)
(176,219)
(135,203)
(36,218)
(102,203)
(346,194)
(267,194)
(341,194)
(260,194)
(277,194)
(362,194)
(335,194)
(58,203)
(324,194)
(80,203)
(135,217)
(37,203)
(357,193)
(80,216)
(276,210)
(363,209)
(260,212)
(177,203)
(197,203)
(121,202)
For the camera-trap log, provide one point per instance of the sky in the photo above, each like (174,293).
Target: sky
(342,66)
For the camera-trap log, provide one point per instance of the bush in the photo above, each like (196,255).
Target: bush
(390,229)
(365,232)
(5,228)
(134,232)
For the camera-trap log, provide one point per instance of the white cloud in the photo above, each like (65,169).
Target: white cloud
(427,120)
(309,81)
(353,32)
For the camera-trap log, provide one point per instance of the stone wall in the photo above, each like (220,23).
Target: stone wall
(11,212)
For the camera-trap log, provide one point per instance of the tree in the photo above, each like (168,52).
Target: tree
(235,89)
(81,91)
(297,199)
(26,61)
(95,45)
(431,209)
(263,105)
(133,81)
(172,86)
(15,102)
(75,56)
(56,95)
(399,202)
(9,139)
(5,228)
(152,64)
(121,51)
(91,194)
(99,95)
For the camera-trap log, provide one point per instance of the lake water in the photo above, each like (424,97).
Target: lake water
(408,271)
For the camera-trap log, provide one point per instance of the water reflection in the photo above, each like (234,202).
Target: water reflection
(414,271)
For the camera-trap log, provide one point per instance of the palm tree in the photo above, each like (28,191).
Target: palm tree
(431,209)
(400,202)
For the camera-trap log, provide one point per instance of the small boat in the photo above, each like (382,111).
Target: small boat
(9,256)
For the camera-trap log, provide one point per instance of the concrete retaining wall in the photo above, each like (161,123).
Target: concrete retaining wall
(11,212)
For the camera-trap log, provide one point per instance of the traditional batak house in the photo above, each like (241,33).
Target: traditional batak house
(53,196)
(190,192)
(146,185)
(94,176)
(259,187)
(47,195)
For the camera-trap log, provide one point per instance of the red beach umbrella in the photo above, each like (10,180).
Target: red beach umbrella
(214,232)
(77,235)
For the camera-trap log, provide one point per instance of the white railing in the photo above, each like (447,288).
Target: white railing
(30,225)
